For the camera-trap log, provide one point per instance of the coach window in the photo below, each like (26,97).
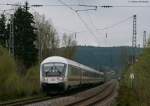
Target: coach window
(73,70)
(84,72)
(94,74)
(90,74)
(87,74)
(69,70)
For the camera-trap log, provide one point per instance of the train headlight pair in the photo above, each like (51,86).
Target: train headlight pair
(60,78)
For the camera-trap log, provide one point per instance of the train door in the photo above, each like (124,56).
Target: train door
(80,72)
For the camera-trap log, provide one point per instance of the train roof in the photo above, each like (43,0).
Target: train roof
(68,61)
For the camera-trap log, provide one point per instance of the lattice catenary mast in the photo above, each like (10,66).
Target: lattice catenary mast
(134,40)
(134,32)
(144,39)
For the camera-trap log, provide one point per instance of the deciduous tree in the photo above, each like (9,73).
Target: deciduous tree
(47,41)
(69,46)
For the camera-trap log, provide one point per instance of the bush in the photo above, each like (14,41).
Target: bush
(139,92)
(8,76)
(14,85)
(32,80)
(127,96)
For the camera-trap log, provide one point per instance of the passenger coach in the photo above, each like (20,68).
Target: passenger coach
(59,73)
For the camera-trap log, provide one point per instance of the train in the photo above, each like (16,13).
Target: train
(60,74)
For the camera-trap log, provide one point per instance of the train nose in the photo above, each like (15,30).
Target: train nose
(53,87)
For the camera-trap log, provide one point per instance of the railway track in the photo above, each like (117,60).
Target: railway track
(24,101)
(97,98)
(90,97)
(103,94)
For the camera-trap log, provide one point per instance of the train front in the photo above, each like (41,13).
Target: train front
(52,76)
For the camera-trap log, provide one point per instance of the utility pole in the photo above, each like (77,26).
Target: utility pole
(134,39)
(26,6)
(75,36)
(11,37)
(144,39)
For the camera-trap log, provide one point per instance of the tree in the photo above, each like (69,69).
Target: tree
(3,30)
(69,45)
(25,37)
(47,41)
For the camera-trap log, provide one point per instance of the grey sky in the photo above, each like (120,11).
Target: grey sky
(66,20)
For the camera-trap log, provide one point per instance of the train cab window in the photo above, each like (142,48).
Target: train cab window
(73,71)
(53,69)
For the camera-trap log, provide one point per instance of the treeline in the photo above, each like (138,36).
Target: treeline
(115,58)
(25,40)
(135,84)
(31,38)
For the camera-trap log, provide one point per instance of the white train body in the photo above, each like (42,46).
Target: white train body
(59,73)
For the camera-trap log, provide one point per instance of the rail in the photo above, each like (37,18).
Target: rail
(24,101)
(102,94)
(85,98)
(94,99)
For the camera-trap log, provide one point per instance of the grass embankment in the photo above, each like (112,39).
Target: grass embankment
(12,84)
(136,92)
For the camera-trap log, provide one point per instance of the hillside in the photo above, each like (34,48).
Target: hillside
(102,57)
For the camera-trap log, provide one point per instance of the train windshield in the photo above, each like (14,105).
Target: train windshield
(54,69)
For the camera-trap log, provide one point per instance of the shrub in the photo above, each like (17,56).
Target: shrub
(139,92)
(14,85)
(8,76)
(32,80)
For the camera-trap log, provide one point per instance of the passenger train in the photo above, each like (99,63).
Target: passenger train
(60,74)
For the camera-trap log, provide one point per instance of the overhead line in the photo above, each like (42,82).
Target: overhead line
(71,31)
(7,10)
(91,20)
(40,5)
(131,6)
(108,6)
(85,24)
(66,5)
(77,5)
(12,4)
(113,25)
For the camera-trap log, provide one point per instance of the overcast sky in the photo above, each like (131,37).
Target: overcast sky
(66,20)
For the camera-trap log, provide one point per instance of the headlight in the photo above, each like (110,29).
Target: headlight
(60,78)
